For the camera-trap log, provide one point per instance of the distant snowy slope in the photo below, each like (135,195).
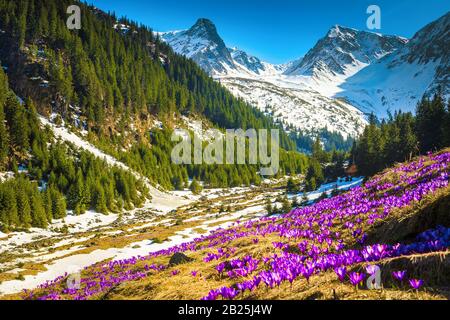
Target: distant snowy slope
(302,108)
(401,79)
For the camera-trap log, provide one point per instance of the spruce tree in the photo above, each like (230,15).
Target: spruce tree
(269,207)
(48,206)
(9,215)
(58,204)
(195,187)
(286,205)
(4,140)
(430,121)
(291,186)
(99,200)
(23,207)
(39,216)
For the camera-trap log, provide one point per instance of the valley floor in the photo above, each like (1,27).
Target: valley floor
(28,259)
(397,222)
(32,257)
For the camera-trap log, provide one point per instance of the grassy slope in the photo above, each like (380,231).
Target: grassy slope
(400,226)
(434,268)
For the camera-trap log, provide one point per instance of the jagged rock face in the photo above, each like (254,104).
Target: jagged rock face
(429,45)
(203,44)
(250,62)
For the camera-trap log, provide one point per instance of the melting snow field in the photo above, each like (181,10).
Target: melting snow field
(62,255)
(78,262)
(341,184)
(68,260)
(161,201)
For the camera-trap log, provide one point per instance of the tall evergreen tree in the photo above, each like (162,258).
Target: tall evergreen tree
(23,206)
(430,123)
(39,216)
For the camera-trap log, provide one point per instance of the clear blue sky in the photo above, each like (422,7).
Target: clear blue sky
(277,31)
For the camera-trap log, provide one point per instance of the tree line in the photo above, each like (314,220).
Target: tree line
(403,136)
(155,163)
(50,176)
(103,77)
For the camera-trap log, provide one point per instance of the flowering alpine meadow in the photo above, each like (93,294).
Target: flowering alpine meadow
(330,236)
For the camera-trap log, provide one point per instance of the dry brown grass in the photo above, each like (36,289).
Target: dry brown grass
(433,268)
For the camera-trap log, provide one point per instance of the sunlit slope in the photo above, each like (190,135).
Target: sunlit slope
(398,221)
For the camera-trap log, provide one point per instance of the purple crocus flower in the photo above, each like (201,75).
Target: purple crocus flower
(319,249)
(356,278)
(221,267)
(399,275)
(341,273)
(415,283)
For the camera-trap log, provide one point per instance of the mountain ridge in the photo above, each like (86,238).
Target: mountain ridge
(290,100)
(343,46)
(399,81)
(329,73)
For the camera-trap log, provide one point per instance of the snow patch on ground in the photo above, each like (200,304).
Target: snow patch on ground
(341,184)
(5,176)
(78,262)
(161,201)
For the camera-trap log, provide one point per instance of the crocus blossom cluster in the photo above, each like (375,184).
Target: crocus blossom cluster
(327,236)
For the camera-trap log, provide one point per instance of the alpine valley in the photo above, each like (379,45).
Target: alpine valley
(94,206)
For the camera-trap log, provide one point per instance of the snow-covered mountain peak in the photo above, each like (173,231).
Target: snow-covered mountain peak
(338,31)
(205,29)
(344,51)
(346,74)
(203,44)
(290,99)
(430,43)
